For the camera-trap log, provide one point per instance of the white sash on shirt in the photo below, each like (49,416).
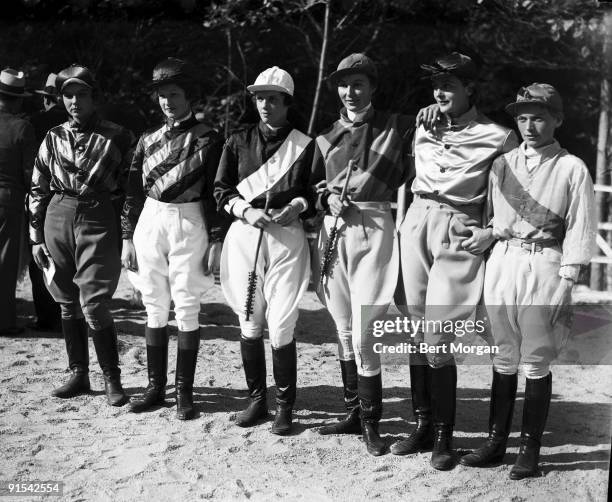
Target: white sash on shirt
(271,172)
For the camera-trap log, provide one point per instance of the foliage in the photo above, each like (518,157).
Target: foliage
(517,41)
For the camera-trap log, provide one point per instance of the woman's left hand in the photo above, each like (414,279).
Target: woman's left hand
(287,215)
(212,258)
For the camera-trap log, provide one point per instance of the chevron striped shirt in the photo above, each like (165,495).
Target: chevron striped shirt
(78,160)
(175,164)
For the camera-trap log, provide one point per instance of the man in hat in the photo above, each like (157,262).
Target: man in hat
(80,165)
(47,310)
(263,182)
(441,243)
(363,269)
(17,151)
(541,200)
(172,233)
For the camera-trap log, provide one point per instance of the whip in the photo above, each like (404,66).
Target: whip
(332,239)
(252,280)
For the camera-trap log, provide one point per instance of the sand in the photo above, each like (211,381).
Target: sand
(105,453)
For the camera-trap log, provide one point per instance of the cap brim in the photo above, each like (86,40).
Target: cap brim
(338,74)
(512,107)
(268,87)
(16,94)
(44,93)
(74,80)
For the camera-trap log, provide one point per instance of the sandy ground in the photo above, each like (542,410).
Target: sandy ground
(105,453)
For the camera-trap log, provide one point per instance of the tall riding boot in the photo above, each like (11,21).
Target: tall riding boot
(284,362)
(254,363)
(421,438)
(503,395)
(370,401)
(75,336)
(351,424)
(105,342)
(157,367)
(535,413)
(186,359)
(443,398)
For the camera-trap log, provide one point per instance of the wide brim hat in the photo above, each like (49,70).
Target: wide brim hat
(538,94)
(12,83)
(75,74)
(273,79)
(172,71)
(455,63)
(50,87)
(355,63)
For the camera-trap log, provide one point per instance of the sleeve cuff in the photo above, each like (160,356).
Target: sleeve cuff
(570,272)
(300,202)
(237,206)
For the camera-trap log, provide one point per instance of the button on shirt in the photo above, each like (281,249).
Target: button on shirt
(453,160)
(545,194)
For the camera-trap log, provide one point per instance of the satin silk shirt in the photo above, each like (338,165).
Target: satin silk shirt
(554,200)
(453,161)
(79,160)
(176,164)
(379,144)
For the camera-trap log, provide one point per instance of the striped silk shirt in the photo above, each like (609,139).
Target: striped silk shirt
(453,161)
(79,160)
(379,143)
(175,164)
(552,200)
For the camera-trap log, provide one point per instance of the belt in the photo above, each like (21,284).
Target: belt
(533,246)
(384,205)
(442,200)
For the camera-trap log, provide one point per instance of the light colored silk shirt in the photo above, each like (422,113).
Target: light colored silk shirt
(542,199)
(453,161)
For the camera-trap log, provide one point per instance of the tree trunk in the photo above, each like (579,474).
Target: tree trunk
(597,271)
(322,59)
(228,36)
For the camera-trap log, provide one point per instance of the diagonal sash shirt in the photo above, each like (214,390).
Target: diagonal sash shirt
(453,161)
(247,151)
(175,163)
(82,160)
(551,199)
(379,143)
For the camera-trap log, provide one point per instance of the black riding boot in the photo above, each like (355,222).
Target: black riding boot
(351,424)
(284,362)
(370,401)
(535,413)
(421,438)
(443,397)
(503,395)
(75,336)
(105,342)
(254,363)
(186,359)
(157,367)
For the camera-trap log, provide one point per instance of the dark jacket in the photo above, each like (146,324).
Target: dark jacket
(17,152)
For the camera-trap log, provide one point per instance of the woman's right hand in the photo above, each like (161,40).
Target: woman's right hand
(128,255)
(336,205)
(41,255)
(257,217)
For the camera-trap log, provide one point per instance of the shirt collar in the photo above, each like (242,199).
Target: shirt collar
(181,123)
(272,134)
(462,120)
(544,152)
(362,116)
